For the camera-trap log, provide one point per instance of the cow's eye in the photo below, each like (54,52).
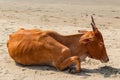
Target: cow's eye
(100,43)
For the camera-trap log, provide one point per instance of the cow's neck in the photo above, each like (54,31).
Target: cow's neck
(66,40)
(72,42)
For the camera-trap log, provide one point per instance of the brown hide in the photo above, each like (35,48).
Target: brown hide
(37,47)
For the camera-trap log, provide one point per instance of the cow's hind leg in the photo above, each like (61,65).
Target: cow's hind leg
(74,60)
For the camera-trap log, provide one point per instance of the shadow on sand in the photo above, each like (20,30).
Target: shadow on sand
(106,71)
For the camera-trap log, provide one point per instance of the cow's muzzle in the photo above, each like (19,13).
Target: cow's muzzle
(105,60)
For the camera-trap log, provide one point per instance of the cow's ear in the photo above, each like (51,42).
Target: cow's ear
(86,40)
(82,31)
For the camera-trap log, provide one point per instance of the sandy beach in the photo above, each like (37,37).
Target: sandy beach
(65,17)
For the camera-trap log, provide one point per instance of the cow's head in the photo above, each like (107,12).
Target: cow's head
(94,43)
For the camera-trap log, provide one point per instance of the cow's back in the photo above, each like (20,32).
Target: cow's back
(27,46)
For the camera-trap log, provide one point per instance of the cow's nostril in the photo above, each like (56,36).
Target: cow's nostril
(107,59)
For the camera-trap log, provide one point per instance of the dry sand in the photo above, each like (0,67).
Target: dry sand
(65,17)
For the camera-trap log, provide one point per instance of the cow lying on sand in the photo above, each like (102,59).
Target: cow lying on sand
(37,47)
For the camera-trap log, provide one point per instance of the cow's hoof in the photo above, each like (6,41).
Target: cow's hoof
(72,70)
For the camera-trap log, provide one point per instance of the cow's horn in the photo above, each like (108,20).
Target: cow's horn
(93,24)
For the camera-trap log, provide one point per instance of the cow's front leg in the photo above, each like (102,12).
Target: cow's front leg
(74,60)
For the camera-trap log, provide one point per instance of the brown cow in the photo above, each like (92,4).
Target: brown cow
(37,47)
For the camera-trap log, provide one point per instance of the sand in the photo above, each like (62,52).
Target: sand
(65,17)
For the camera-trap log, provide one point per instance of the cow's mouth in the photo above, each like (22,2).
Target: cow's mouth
(104,60)
(90,56)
